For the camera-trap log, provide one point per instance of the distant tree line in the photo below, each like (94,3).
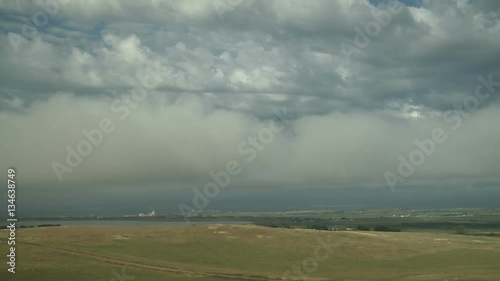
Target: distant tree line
(378,228)
(319,227)
(275,225)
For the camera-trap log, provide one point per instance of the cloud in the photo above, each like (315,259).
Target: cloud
(220,78)
(182,141)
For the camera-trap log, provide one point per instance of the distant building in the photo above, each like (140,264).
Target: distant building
(152,214)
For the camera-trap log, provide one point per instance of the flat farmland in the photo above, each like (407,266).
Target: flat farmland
(227,252)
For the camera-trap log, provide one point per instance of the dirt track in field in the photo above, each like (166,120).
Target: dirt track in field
(151,267)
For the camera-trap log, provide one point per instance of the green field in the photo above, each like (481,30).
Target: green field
(224,252)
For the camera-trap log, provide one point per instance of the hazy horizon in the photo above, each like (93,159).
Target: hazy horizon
(123,107)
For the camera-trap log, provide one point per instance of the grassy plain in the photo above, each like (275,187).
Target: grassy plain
(249,251)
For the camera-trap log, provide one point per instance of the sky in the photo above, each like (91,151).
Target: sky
(123,106)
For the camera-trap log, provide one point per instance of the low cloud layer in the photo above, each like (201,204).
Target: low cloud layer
(180,142)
